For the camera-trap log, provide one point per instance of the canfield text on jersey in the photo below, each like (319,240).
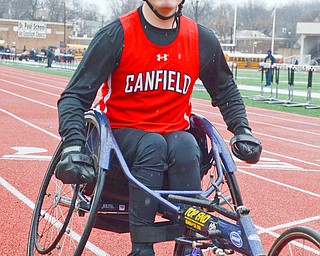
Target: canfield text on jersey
(164,80)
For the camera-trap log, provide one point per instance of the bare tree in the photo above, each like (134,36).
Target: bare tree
(199,10)
(25,9)
(56,10)
(119,7)
(34,6)
(223,21)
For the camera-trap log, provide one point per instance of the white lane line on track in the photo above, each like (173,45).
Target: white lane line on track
(30,88)
(288,225)
(216,124)
(301,245)
(287,140)
(268,115)
(29,81)
(280,183)
(30,124)
(26,98)
(291,158)
(287,120)
(257,176)
(285,127)
(57,79)
(31,205)
(26,200)
(269,136)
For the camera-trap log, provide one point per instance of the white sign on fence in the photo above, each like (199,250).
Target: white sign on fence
(32,29)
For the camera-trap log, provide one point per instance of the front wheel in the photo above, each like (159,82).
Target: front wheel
(297,241)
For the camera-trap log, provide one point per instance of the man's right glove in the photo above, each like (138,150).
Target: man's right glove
(75,166)
(246,147)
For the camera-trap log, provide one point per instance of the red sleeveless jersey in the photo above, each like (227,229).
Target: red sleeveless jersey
(151,88)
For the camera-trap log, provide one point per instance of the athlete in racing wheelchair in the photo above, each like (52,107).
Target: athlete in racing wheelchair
(148,62)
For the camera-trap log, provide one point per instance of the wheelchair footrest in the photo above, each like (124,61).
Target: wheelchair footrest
(118,223)
(160,232)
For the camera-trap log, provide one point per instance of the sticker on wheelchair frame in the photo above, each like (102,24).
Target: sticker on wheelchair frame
(236,239)
(254,237)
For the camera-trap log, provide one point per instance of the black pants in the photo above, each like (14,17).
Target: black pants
(151,157)
(50,60)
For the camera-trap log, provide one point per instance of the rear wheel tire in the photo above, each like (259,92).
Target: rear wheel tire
(64,214)
(50,218)
(297,241)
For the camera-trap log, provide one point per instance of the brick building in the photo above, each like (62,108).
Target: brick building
(34,34)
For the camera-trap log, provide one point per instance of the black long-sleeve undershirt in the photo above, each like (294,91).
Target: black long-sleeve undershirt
(103,56)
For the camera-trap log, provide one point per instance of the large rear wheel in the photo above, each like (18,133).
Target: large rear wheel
(297,241)
(64,214)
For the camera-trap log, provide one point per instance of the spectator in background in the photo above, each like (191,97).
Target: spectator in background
(7,52)
(84,51)
(269,71)
(50,56)
(13,51)
(57,54)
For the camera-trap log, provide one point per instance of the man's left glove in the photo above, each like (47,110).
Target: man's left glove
(246,147)
(75,166)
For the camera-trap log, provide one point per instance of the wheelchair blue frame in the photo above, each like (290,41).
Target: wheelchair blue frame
(225,225)
(218,146)
(248,242)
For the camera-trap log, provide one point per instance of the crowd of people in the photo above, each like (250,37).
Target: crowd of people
(50,53)
(8,53)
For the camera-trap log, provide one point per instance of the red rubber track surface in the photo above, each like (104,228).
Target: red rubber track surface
(282,190)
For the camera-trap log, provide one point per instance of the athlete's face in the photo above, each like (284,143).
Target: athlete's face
(165,7)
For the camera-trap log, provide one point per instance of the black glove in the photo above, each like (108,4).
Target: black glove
(246,147)
(75,166)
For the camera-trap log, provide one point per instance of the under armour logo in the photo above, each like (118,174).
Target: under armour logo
(163,57)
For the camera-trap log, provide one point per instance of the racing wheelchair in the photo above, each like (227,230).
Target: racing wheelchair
(213,221)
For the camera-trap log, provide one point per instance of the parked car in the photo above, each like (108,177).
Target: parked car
(30,55)
(24,55)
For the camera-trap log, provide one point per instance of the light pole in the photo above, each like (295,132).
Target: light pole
(235,26)
(196,11)
(64,23)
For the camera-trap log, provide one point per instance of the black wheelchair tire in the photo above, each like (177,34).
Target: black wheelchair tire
(78,246)
(98,188)
(93,211)
(33,242)
(295,234)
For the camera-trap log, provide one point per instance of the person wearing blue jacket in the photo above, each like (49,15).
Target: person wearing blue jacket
(269,60)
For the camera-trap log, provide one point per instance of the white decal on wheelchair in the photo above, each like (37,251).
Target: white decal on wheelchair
(236,239)
(27,153)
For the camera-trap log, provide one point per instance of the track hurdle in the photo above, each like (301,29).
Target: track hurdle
(290,69)
(291,72)
(307,104)
(276,76)
(234,69)
(261,96)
